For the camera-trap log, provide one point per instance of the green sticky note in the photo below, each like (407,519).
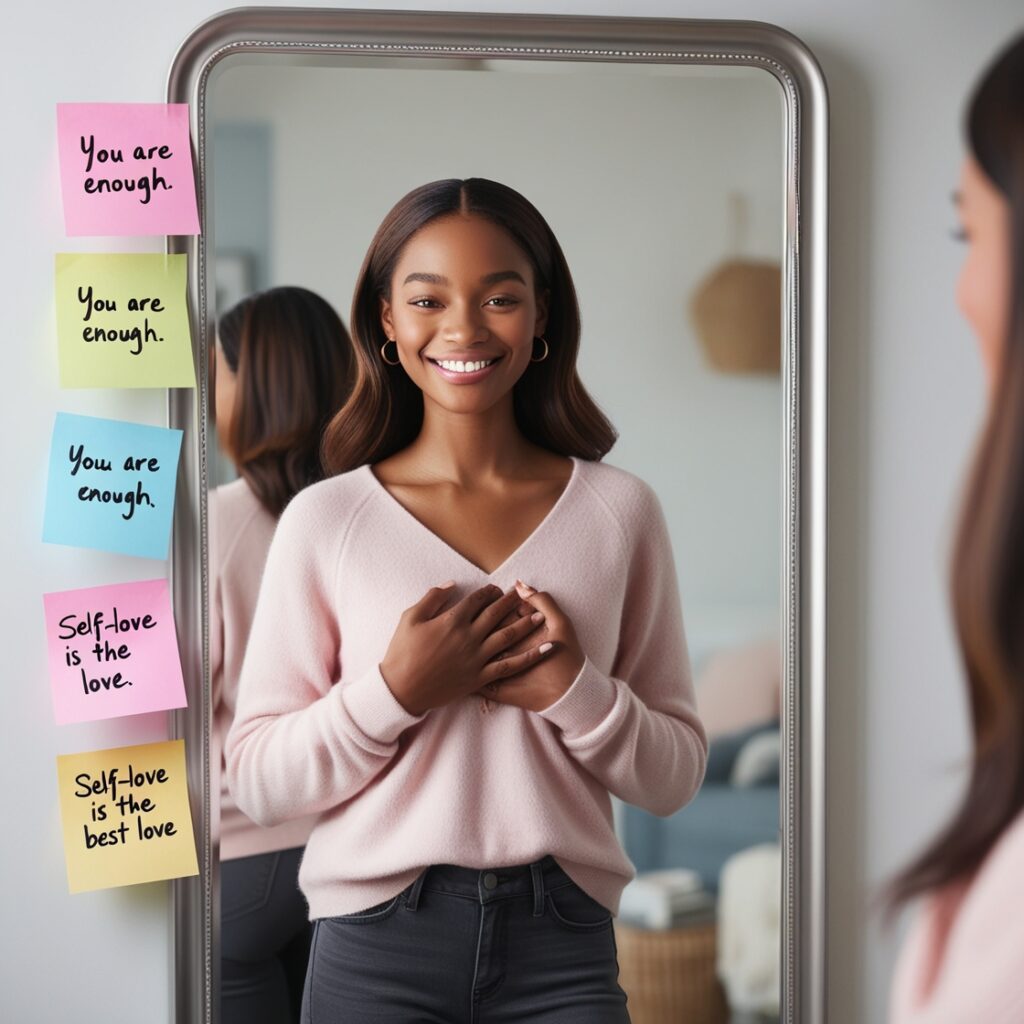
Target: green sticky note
(122,321)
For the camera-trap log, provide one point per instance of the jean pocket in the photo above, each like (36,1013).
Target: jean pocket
(246,884)
(577,910)
(371,914)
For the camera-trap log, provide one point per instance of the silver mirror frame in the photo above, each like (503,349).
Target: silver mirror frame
(438,35)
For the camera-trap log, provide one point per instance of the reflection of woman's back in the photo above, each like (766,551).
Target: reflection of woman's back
(282,370)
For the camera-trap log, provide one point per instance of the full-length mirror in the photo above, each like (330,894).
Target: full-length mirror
(671,188)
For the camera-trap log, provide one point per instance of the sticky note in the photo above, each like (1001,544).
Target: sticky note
(122,321)
(126,169)
(111,485)
(113,651)
(125,816)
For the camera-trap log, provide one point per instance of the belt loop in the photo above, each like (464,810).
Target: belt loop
(538,888)
(413,899)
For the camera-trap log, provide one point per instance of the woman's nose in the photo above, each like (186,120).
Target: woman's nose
(463,325)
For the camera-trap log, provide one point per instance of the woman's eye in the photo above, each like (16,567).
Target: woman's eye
(503,300)
(424,303)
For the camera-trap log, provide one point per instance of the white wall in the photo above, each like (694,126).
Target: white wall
(905,394)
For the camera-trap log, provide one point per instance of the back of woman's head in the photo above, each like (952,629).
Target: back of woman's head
(292,361)
(385,410)
(988,562)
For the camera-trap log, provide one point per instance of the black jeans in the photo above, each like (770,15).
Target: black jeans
(462,946)
(264,939)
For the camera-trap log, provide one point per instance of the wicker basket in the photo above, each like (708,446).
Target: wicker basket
(669,976)
(737,312)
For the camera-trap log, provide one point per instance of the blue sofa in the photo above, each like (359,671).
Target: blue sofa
(720,821)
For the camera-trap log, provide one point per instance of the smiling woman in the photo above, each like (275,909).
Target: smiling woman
(470,327)
(382,741)
(402,296)
(469,272)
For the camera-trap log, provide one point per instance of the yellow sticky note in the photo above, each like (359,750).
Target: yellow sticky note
(125,815)
(122,321)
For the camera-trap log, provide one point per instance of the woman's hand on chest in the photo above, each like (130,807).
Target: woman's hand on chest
(442,650)
(541,683)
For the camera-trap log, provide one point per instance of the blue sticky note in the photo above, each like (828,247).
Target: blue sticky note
(111,485)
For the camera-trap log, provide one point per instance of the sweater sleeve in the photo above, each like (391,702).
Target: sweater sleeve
(300,743)
(637,730)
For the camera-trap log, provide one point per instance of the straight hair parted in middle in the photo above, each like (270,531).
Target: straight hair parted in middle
(384,412)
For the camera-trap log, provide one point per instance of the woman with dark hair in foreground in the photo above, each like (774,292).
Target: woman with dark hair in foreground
(964,958)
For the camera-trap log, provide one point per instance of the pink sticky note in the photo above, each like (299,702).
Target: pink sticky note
(126,169)
(113,651)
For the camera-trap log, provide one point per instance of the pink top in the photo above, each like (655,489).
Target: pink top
(963,960)
(317,729)
(240,533)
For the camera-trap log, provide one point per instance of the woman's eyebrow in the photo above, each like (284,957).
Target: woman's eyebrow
(503,275)
(499,275)
(426,278)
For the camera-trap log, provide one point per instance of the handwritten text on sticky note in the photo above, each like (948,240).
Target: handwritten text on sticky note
(122,321)
(113,651)
(125,816)
(111,485)
(126,169)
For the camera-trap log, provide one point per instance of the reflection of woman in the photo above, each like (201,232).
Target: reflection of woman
(964,958)
(459,731)
(282,371)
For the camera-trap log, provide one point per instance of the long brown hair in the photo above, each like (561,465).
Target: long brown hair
(988,560)
(292,359)
(385,410)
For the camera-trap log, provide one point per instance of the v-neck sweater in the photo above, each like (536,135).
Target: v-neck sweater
(318,731)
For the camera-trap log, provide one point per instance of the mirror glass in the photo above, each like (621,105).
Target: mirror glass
(665,187)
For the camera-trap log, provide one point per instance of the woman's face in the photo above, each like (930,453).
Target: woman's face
(983,290)
(463,312)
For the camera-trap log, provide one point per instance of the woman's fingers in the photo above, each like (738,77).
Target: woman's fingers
(516,614)
(508,635)
(431,603)
(496,614)
(540,599)
(475,602)
(512,664)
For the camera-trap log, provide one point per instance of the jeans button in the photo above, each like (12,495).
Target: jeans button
(490,880)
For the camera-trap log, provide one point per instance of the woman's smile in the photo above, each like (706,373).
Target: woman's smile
(464,371)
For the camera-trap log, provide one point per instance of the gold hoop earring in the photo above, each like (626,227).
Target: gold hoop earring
(390,341)
(541,338)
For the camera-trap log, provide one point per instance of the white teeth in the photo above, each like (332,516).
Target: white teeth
(460,366)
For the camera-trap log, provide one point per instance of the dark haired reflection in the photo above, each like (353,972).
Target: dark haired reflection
(283,368)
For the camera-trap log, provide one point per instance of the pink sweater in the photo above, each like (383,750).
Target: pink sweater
(318,731)
(240,533)
(963,961)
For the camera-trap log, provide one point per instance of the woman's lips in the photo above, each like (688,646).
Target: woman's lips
(464,376)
